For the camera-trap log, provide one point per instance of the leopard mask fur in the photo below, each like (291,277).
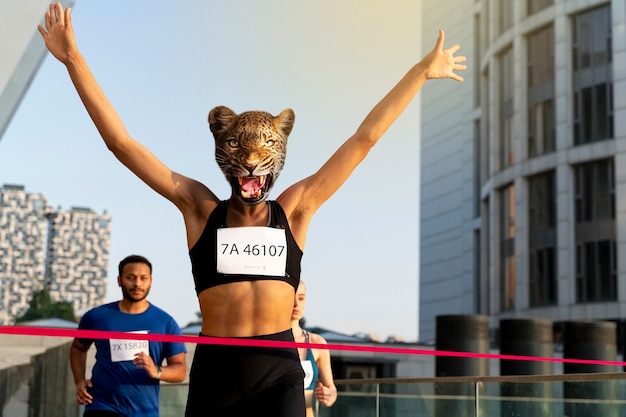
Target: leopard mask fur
(250,149)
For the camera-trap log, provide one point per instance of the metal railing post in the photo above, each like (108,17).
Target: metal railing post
(377,400)
(476,399)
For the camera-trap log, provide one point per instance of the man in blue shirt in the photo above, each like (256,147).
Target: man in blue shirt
(125,379)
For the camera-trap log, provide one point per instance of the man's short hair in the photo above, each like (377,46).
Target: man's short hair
(133,259)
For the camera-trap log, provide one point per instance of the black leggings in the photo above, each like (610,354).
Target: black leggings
(229,381)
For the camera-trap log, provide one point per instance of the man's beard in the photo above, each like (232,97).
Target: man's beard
(134,298)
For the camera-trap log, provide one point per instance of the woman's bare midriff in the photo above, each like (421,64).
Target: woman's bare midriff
(248,308)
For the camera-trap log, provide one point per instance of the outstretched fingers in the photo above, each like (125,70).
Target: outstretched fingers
(55,15)
(41,30)
(453,49)
(52,14)
(68,16)
(47,21)
(59,13)
(457,66)
(440,40)
(456,77)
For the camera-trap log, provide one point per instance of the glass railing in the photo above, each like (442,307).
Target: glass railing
(581,395)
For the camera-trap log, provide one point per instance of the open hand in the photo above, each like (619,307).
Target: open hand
(441,63)
(58,33)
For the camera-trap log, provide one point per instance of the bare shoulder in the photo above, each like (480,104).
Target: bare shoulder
(291,200)
(193,194)
(198,202)
(299,214)
(316,338)
(320,354)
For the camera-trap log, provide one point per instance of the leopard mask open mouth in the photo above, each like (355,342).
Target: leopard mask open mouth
(251,189)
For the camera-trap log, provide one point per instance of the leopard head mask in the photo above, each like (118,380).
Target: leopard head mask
(250,149)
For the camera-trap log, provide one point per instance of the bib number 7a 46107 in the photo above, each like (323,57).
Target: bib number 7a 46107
(251,251)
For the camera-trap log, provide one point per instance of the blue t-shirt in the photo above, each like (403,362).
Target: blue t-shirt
(117,384)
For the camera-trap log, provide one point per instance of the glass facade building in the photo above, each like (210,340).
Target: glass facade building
(530,160)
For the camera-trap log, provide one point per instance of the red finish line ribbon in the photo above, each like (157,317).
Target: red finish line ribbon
(239,341)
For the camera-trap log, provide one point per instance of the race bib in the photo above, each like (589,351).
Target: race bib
(307,366)
(251,251)
(126,349)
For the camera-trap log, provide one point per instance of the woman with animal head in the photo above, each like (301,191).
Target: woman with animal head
(245,251)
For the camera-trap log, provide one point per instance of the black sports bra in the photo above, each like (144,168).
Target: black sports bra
(204,254)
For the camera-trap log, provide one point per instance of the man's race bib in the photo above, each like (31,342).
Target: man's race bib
(307,366)
(126,349)
(251,251)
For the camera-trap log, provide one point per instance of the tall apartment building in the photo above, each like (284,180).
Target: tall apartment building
(66,252)
(23,227)
(523,193)
(78,257)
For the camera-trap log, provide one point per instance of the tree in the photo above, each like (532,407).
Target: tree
(42,307)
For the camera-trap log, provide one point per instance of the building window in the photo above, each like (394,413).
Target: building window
(542,239)
(38,205)
(595,271)
(593,86)
(595,192)
(534,6)
(506,15)
(506,109)
(596,259)
(541,131)
(507,248)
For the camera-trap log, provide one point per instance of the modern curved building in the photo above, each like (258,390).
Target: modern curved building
(523,172)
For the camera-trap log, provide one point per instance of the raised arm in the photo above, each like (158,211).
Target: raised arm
(305,197)
(60,41)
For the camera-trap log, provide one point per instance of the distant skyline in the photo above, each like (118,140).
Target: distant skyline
(165,64)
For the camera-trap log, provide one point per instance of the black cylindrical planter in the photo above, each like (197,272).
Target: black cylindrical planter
(596,340)
(592,340)
(526,337)
(460,333)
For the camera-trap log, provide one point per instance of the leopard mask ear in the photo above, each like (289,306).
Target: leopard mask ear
(284,122)
(221,118)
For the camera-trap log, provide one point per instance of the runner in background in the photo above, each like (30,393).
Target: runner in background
(125,380)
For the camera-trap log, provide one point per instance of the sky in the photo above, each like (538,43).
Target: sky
(165,64)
